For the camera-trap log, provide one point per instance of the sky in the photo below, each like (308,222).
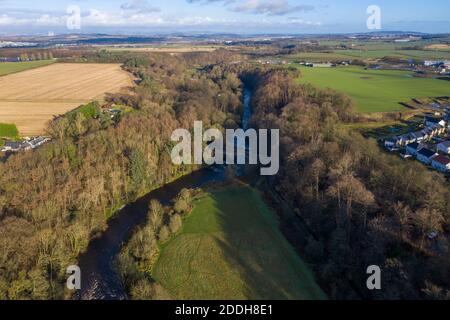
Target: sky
(224,16)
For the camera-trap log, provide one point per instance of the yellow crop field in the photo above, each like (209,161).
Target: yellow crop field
(31,98)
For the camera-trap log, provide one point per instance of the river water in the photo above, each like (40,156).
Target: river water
(99,278)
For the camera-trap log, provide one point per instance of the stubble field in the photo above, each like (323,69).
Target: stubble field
(31,98)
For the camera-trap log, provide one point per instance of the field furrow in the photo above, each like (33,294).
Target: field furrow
(31,98)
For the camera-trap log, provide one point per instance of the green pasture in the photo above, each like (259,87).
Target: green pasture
(13,67)
(375,90)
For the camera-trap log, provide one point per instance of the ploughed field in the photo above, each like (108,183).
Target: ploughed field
(31,98)
(230,247)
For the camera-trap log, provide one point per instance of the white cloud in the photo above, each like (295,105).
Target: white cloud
(142,18)
(139,6)
(6,20)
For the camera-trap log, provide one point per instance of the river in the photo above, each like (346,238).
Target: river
(99,278)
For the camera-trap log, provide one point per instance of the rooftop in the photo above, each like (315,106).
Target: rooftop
(445,144)
(442,160)
(426,152)
(413,145)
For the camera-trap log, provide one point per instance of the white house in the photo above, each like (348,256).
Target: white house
(441,163)
(431,63)
(426,155)
(35,143)
(405,139)
(444,147)
(430,122)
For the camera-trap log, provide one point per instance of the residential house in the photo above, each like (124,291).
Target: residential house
(430,121)
(322,65)
(35,143)
(426,155)
(432,63)
(8,59)
(438,128)
(434,130)
(405,139)
(413,148)
(391,143)
(419,136)
(441,163)
(444,147)
(12,146)
(29,144)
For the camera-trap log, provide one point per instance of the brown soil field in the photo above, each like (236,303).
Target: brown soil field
(31,98)
(438,47)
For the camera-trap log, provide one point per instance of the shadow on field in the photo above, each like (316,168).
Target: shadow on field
(253,246)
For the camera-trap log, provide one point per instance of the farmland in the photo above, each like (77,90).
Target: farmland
(401,54)
(13,67)
(31,98)
(350,54)
(230,247)
(8,130)
(338,50)
(375,90)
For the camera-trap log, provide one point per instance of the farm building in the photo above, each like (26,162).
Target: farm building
(34,143)
(441,163)
(29,144)
(444,147)
(413,148)
(12,146)
(426,155)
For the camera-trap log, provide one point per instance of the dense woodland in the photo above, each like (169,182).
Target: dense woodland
(138,256)
(363,207)
(57,198)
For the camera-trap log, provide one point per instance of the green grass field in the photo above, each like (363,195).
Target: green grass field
(402,54)
(89,110)
(230,247)
(375,90)
(13,67)
(8,131)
